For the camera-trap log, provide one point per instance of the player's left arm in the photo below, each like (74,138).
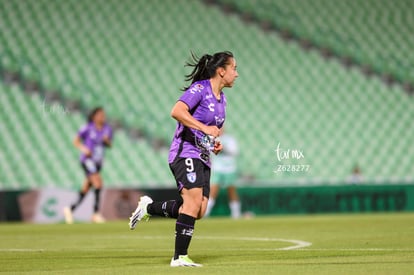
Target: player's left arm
(107,138)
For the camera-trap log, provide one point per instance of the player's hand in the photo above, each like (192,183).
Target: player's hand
(106,141)
(218,147)
(85,150)
(212,131)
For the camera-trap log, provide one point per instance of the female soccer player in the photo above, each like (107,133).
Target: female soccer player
(91,140)
(200,113)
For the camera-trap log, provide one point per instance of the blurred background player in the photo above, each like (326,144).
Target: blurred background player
(356,175)
(224,174)
(200,113)
(91,141)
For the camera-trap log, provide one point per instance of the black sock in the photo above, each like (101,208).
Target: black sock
(168,209)
(97,196)
(80,199)
(184,229)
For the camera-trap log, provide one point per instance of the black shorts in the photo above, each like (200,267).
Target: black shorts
(90,167)
(191,173)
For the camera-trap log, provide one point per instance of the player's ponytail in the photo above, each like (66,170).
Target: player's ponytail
(206,66)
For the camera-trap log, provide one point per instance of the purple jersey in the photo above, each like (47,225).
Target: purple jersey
(204,106)
(92,138)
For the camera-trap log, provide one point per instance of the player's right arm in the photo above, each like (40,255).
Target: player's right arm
(181,113)
(81,147)
(78,141)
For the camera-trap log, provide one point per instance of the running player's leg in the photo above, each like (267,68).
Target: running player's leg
(172,208)
(184,227)
(195,191)
(84,190)
(67,211)
(168,209)
(193,181)
(97,183)
(234,202)
(147,207)
(214,190)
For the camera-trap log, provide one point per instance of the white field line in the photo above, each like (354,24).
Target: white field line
(297,245)
(358,249)
(22,250)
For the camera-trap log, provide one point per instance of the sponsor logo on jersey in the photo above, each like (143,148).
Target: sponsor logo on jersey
(204,157)
(192,177)
(209,96)
(211,107)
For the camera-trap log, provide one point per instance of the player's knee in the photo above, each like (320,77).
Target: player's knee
(179,201)
(203,208)
(197,205)
(96,180)
(192,206)
(201,214)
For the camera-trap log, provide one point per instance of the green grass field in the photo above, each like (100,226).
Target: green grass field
(344,244)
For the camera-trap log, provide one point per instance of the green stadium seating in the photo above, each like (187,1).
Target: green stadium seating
(128,56)
(374,32)
(37,148)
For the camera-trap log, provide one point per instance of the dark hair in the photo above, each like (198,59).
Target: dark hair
(92,114)
(206,66)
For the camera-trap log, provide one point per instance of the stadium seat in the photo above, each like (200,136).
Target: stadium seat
(372,32)
(38,151)
(128,56)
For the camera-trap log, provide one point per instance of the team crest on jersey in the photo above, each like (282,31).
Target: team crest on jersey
(196,88)
(192,177)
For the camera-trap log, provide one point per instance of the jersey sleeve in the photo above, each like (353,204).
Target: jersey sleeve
(193,95)
(83,131)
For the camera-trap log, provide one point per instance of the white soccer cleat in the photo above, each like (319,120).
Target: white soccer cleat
(141,212)
(67,212)
(97,218)
(184,260)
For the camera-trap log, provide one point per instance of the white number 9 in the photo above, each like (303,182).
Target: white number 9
(190,164)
